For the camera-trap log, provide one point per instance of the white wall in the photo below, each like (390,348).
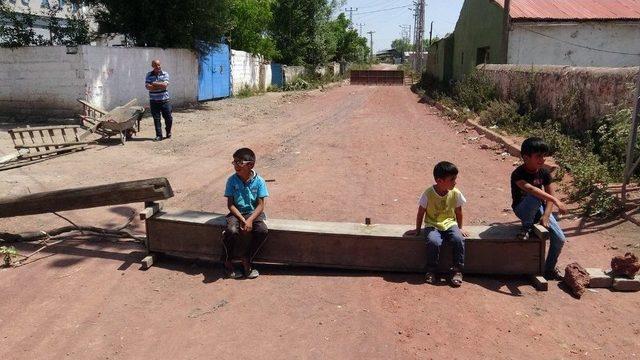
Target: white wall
(265,75)
(40,82)
(245,70)
(292,72)
(114,75)
(551,43)
(37,83)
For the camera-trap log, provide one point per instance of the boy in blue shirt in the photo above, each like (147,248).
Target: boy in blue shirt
(440,207)
(245,192)
(533,198)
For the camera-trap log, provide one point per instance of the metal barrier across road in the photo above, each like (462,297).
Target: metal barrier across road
(377,77)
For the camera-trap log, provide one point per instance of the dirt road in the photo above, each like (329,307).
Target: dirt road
(337,155)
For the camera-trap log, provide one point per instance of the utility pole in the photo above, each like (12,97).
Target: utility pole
(431,33)
(406,31)
(351,10)
(371,35)
(360,26)
(506,26)
(420,35)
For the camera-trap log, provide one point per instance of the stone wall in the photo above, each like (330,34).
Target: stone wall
(599,90)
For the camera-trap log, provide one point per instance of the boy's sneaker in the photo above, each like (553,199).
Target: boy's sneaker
(430,278)
(456,279)
(253,274)
(523,235)
(555,274)
(234,275)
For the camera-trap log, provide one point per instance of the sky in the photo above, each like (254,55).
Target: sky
(385,17)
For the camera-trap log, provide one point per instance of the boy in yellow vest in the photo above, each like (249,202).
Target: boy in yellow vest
(442,205)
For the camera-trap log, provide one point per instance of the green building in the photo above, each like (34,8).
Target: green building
(549,32)
(477,39)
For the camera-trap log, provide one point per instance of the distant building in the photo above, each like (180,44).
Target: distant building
(391,56)
(42,9)
(602,33)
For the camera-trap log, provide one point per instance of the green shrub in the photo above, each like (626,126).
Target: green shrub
(432,86)
(7,253)
(611,137)
(248,91)
(475,91)
(505,116)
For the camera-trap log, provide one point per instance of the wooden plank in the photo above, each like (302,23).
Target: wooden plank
(42,140)
(13,137)
(92,107)
(55,144)
(64,135)
(87,197)
(490,250)
(90,130)
(52,127)
(54,151)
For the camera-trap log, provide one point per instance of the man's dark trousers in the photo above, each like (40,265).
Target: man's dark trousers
(162,107)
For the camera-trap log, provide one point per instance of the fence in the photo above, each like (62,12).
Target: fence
(599,90)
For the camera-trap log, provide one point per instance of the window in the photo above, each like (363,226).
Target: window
(482,55)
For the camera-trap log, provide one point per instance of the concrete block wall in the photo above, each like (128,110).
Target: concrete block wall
(115,75)
(245,70)
(602,89)
(265,75)
(292,72)
(37,83)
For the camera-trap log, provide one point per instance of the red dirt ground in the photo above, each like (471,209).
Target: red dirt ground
(337,155)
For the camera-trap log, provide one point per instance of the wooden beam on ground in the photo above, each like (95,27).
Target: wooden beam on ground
(87,197)
(489,249)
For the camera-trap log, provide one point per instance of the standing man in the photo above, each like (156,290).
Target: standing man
(157,82)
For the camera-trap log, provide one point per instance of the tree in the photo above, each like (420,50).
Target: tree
(16,29)
(401,45)
(250,22)
(165,23)
(350,47)
(300,29)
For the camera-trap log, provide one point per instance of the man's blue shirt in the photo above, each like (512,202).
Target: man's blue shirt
(158,95)
(245,195)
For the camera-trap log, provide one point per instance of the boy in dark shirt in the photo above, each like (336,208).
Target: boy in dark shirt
(533,199)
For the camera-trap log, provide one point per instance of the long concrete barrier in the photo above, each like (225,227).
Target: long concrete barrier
(378,247)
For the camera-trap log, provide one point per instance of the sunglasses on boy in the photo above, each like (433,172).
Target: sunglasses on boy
(241,162)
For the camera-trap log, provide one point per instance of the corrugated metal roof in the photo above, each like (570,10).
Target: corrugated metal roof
(580,10)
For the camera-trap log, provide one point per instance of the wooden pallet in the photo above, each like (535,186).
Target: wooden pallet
(34,144)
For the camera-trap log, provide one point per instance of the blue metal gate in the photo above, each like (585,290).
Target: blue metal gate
(214,78)
(277,77)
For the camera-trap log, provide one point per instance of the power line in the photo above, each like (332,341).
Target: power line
(381,10)
(582,46)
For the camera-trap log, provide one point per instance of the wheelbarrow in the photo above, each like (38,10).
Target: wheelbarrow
(121,121)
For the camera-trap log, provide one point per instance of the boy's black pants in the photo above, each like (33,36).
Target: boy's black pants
(233,234)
